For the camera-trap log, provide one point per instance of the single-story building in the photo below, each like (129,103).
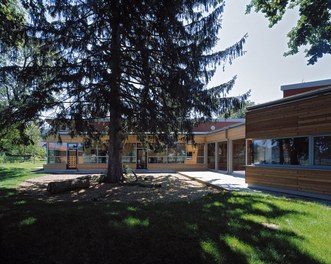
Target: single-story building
(291,140)
(282,144)
(219,145)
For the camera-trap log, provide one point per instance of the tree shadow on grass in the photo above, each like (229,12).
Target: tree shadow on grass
(12,173)
(221,228)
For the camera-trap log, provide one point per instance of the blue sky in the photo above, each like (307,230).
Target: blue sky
(263,68)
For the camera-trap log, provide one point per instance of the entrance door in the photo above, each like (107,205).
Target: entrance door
(141,159)
(72,158)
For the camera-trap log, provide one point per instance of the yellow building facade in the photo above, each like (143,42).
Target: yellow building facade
(218,145)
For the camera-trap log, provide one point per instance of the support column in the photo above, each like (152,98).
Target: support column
(311,150)
(246,152)
(205,154)
(216,155)
(230,157)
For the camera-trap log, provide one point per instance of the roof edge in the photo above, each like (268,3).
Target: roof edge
(297,97)
(304,85)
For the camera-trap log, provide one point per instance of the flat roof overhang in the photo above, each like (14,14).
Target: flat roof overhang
(304,85)
(293,98)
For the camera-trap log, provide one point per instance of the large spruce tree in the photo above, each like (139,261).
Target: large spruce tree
(144,65)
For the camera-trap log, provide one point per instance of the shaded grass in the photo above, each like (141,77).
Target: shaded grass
(229,227)
(221,228)
(12,174)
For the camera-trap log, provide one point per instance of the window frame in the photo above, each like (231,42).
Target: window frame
(311,154)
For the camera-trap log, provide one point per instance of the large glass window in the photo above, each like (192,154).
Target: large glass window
(222,156)
(177,153)
(157,153)
(322,151)
(286,151)
(211,155)
(129,153)
(80,153)
(201,152)
(90,152)
(239,154)
(103,152)
(57,153)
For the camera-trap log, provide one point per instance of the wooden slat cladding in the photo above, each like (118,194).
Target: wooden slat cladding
(231,133)
(298,118)
(237,132)
(304,180)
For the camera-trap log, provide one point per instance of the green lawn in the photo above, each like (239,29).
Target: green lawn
(223,228)
(11,174)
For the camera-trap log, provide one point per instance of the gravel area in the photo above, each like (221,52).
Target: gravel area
(162,187)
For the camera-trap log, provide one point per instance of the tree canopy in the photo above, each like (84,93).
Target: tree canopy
(11,21)
(238,113)
(15,143)
(313,29)
(143,65)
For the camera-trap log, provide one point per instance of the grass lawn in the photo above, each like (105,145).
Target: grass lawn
(229,227)
(12,174)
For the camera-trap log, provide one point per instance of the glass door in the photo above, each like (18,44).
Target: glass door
(141,159)
(72,156)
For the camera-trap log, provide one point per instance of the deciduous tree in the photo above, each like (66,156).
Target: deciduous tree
(313,29)
(11,21)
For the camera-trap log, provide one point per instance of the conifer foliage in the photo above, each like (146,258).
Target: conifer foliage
(144,65)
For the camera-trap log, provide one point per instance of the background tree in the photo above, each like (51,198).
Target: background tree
(11,22)
(144,65)
(13,144)
(313,29)
(238,113)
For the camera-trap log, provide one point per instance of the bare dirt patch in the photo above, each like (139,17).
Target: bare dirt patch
(173,187)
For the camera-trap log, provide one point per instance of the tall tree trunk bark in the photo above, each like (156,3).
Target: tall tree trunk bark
(114,173)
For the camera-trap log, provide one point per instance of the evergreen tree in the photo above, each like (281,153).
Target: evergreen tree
(144,65)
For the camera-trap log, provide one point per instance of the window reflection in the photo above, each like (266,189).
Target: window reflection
(285,151)
(322,151)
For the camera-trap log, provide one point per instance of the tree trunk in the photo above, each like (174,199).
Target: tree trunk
(114,173)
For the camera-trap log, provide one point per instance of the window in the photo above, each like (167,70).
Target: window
(222,155)
(322,151)
(177,153)
(90,152)
(103,152)
(201,152)
(189,155)
(239,154)
(157,153)
(285,151)
(129,153)
(211,155)
(57,153)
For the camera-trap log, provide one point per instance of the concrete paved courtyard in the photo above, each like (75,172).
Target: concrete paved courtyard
(231,182)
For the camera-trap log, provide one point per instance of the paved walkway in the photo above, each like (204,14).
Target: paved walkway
(236,182)
(233,182)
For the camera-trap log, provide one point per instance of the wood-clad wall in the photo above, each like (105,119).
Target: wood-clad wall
(232,133)
(298,118)
(304,180)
